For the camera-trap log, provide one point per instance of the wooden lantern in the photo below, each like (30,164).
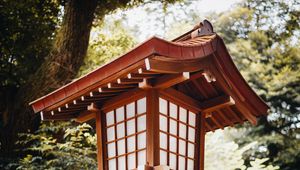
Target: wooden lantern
(154,104)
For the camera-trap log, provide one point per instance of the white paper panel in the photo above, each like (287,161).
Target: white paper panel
(190,164)
(163,106)
(131,144)
(173,127)
(163,158)
(173,110)
(181,163)
(110,118)
(141,123)
(182,147)
(130,110)
(172,159)
(110,133)
(163,140)
(173,144)
(141,106)
(120,114)
(182,114)
(191,150)
(112,164)
(192,119)
(131,161)
(191,134)
(111,150)
(142,157)
(182,130)
(142,140)
(121,162)
(131,127)
(163,123)
(120,130)
(121,147)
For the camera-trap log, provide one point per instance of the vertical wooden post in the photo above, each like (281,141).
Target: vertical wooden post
(153,158)
(100,152)
(202,140)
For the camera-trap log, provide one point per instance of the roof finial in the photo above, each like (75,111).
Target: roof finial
(205,28)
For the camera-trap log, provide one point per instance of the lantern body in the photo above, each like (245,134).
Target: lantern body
(150,130)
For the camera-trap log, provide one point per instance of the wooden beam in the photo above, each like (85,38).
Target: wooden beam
(204,106)
(216,103)
(208,126)
(111,90)
(144,71)
(100,140)
(170,80)
(216,121)
(201,141)
(181,99)
(145,84)
(225,118)
(120,86)
(88,114)
(153,153)
(160,64)
(128,81)
(122,98)
(228,88)
(236,117)
(140,76)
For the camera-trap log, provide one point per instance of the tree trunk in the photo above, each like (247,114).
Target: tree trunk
(59,68)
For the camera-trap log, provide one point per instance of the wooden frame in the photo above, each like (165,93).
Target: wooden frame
(197,129)
(194,71)
(122,101)
(153,157)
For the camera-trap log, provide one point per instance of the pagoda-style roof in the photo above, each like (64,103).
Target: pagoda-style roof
(195,67)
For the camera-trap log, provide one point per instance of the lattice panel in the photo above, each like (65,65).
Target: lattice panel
(177,136)
(126,136)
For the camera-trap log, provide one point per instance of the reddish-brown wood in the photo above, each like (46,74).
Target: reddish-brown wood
(123,99)
(205,106)
(225,118)
(153,158)
(216,121)
(100,153)
(202,141)
(160,64)
(170,80)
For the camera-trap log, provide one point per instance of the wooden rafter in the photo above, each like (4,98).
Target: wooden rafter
(237,118)
(88,114)
(128,81)
(162,64)
(216,121)
(224,117)
(204,106)
(165,81)
(170,80)
(120,86)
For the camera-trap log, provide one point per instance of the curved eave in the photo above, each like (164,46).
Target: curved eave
(121,66)
(221,66)
(206,53)
(241,88)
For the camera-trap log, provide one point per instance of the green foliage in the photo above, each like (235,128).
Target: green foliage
(108,41)
(266,52)
(58,146)
(223,153)
(26,33)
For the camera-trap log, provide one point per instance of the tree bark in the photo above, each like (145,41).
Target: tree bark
(59,68)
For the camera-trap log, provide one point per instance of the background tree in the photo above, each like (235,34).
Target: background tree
(59,67)
(263,38)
